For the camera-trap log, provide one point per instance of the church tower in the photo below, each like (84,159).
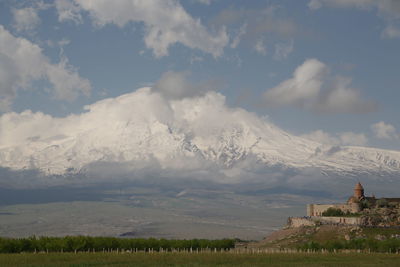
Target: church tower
(359,191)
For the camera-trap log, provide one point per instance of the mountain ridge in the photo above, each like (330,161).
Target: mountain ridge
(143,128)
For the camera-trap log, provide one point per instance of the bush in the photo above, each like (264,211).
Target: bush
(364,204)
(333,212)
(391,245)
(382,203)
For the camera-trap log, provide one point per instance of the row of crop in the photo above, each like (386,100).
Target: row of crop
(86,243)
(370,244)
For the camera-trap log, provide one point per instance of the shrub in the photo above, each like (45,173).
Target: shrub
(364,204)
(333,212)
(382,203)
(391,245)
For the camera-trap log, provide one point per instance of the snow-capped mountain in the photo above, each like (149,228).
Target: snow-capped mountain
(142,128)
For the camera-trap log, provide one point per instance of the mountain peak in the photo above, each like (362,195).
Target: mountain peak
(142,129)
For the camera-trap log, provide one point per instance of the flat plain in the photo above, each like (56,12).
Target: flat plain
(147,212)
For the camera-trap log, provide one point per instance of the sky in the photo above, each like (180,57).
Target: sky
(327,70)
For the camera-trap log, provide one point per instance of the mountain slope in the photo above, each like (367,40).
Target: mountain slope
(144,129)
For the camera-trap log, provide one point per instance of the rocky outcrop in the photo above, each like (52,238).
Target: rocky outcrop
(383,217)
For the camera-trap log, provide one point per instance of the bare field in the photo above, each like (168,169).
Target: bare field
(145,212)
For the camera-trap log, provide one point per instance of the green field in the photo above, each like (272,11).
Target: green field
(203,259)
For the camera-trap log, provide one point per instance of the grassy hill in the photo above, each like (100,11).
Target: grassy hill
(333,237)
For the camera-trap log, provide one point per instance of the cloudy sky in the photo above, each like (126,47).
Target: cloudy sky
(324,69)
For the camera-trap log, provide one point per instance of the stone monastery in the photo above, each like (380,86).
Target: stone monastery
(352,205)
(349,212)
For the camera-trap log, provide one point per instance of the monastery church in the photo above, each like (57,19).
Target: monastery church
(353,204)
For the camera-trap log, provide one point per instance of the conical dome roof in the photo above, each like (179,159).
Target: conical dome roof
(359,186)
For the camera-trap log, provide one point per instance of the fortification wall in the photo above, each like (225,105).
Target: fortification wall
(338,220)
(300,221)
(314,220)
(318,209)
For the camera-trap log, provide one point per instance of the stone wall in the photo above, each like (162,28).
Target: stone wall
(338,220)
(300,221)
(314,220)
(318,209)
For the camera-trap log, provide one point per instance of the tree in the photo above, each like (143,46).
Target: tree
(333,212)
(364,204)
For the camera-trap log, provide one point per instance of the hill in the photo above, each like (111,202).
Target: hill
(327,236)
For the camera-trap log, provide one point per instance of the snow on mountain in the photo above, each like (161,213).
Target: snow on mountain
(142,128)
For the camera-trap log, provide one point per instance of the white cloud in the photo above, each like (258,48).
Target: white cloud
(314,4)
(67,84)
(389,10)
(194,59)
(364,4)
(391,31)
(175,85)
(252,26)
(260,47)
(356,139)
(259,21)
(345,138)
(205,2)
(342,98)
(322,137)
(283,50)
(384,130)
(311,87)
(22,62)
(25,19)
(68,10)
(166,23)
(237,39)
(302,88)
(63,42)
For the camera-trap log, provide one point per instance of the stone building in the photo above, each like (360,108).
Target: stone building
(355,204)
(352,205)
